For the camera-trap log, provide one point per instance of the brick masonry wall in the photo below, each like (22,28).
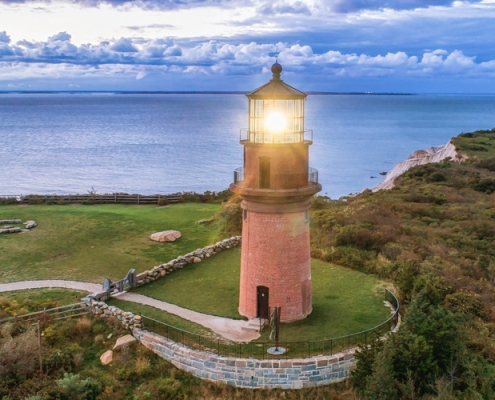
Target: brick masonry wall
(276,254)
(251,373)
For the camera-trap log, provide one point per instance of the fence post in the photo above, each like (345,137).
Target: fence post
(138,199)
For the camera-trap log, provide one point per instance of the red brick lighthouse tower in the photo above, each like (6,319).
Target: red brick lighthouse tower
(275,185)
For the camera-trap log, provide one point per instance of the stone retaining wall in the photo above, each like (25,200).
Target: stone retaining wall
(251,373)
(190,258)
(102,310)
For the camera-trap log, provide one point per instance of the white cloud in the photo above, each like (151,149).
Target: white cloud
(139,58)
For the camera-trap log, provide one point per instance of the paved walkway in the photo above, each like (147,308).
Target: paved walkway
(228,328)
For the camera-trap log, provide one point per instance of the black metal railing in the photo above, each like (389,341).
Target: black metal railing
(247,136)
(258,350)
(278,181)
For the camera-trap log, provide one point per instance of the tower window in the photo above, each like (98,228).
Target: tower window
(245,215)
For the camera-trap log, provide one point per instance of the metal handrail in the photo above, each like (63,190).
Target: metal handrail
(288,137)
(280,181)
(257,350)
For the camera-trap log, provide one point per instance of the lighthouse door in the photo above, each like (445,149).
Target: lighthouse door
(264,173)
(262,307)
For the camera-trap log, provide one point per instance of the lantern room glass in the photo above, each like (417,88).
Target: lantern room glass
(276,121)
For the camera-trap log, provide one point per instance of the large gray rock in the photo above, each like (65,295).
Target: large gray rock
(165,236)
(124,341)
(30,224)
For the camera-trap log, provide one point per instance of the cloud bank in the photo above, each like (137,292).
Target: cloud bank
(137,58)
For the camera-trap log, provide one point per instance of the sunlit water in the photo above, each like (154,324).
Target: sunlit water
(164,143)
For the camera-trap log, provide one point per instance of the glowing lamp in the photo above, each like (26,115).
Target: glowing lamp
(276,112)
(275,122)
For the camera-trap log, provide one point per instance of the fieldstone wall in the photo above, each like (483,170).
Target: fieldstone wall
(251,373)
(10,229)
(103,310)
(196,256)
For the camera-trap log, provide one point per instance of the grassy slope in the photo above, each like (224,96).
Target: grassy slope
(26,301)
(344,301)
(89,243)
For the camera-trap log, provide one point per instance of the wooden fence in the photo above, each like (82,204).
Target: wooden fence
(115,198)
(52,314)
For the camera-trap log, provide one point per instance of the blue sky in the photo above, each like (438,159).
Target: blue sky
(418,46)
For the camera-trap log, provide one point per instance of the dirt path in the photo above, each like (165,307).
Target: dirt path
(228,328)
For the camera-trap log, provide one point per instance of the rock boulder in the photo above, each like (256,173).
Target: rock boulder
(107,357)
(165,236)
(124,341)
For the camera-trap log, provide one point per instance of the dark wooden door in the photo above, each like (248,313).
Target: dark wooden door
(264,173)
(262,296)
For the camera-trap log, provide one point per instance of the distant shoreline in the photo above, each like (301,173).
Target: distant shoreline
(318,93)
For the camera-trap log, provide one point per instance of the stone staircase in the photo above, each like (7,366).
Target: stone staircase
(255,325)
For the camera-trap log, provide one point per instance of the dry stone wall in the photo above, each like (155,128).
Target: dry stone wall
(101,309)
(248,372)
(180,262)
(11,229)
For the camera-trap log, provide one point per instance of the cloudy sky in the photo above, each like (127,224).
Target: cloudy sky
(418,46)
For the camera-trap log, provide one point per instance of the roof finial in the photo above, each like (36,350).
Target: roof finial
(276,68)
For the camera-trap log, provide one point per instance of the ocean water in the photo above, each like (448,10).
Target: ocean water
(165,143)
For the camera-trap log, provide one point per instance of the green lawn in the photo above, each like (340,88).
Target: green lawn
(92,242)
(344,301)
(210,287)
(162,316)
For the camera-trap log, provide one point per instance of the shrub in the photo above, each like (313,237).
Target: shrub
(72,387)
(485,185)
(163,201)
(16,354)
(488,164)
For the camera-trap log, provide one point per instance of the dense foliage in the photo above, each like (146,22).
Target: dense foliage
(433,235)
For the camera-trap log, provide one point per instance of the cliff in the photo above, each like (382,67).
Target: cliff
(419,157)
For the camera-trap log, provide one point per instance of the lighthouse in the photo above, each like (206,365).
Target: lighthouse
(275,185)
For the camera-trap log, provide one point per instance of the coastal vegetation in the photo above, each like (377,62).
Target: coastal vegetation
(432,236)
(72,370)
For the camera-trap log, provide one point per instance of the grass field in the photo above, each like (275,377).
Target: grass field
(89,243)
(92,242)
(344,301)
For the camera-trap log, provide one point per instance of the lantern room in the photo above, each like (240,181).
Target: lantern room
(276,113)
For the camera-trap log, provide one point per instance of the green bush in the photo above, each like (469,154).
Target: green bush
(485,185)
(72,387)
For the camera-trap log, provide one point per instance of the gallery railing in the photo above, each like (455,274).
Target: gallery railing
(279,181)
(303,349)
(289,137)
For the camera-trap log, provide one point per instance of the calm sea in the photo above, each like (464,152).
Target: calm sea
(164,143)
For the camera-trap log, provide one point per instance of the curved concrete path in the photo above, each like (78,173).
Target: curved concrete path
(228,328)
